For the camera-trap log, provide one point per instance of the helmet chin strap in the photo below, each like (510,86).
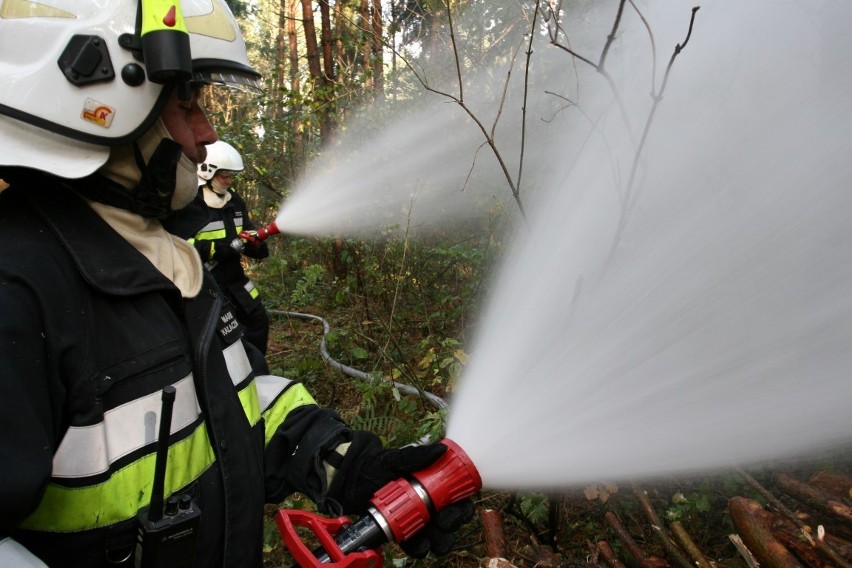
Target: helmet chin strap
(153,177)
(152,196)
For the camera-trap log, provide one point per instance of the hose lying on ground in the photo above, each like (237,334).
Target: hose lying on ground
(436,401)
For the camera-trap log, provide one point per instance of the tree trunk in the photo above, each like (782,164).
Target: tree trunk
(297,152)
(377,52)
(311,46)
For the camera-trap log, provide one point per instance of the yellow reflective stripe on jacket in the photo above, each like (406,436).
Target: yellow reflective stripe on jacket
(216,230)
(251,289)
(278,396)
(250,402)
(127,491)
(212,231)
(86,451)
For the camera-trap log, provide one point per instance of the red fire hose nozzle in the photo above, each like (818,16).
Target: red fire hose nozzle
(398,510)
(254,237)
(268,231)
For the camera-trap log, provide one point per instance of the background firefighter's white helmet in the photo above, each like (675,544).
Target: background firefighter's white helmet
(73,81)
(220,156)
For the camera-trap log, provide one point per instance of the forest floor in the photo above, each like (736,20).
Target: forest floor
(781,508)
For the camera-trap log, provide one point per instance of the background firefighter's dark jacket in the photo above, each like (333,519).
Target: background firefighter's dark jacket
(211,232)
(90,333)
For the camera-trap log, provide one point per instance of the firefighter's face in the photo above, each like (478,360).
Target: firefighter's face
(225,178)
(188,125)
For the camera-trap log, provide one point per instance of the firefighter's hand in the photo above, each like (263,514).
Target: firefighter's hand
(367,467)
(223,251)
(250,237)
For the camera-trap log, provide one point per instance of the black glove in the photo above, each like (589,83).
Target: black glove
(367,467)
(439,535)
(256,249)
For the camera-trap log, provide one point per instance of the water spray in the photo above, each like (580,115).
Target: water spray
(397,511)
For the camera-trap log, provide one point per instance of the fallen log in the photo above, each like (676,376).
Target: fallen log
(799,543)
(753,526)
(672,550)
(837,484)
(492,530)
(634,549)
(827,545)
(608,554)
(814,496)
(749,558)
(689,545)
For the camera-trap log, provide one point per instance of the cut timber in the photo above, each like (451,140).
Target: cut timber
(689,545)
(635,551)
(814,496)
(837,484)
(672,551)
(753,526)
(492,528)
(608,554)
(744,551)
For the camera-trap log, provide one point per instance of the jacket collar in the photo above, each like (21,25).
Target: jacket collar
(105,260)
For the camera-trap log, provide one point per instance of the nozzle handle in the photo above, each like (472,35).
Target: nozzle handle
(324,530)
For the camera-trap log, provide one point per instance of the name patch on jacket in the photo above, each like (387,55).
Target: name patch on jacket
(230,329)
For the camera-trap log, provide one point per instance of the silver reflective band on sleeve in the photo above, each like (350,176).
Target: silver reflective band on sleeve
(89,450)
(13,553)
(268,389)
(239,367)
(213,226)
(248,286)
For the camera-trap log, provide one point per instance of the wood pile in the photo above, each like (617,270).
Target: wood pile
(815,533)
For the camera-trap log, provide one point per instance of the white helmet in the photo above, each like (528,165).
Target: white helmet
(220,156)
(80,77)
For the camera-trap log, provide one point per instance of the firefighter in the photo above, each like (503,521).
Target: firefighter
(103,311)
(212,223)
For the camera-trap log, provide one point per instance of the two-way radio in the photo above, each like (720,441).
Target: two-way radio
(167,531)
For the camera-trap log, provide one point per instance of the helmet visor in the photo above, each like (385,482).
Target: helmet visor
(226,73)
(234,80)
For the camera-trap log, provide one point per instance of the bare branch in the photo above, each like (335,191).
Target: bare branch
(526,93)
(611,37)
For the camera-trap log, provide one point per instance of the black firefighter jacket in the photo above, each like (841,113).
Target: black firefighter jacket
(211,231)
(90,333)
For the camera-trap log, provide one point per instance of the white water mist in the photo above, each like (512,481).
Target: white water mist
(714,326)
(701,316)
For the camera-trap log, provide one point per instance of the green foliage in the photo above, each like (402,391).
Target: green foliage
(535,507)
(304,292)
(693,504)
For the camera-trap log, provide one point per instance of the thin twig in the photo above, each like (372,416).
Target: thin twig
(524,105)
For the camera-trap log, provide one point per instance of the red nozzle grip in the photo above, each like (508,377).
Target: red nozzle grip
(451,478)
(324,529)
(402,507)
